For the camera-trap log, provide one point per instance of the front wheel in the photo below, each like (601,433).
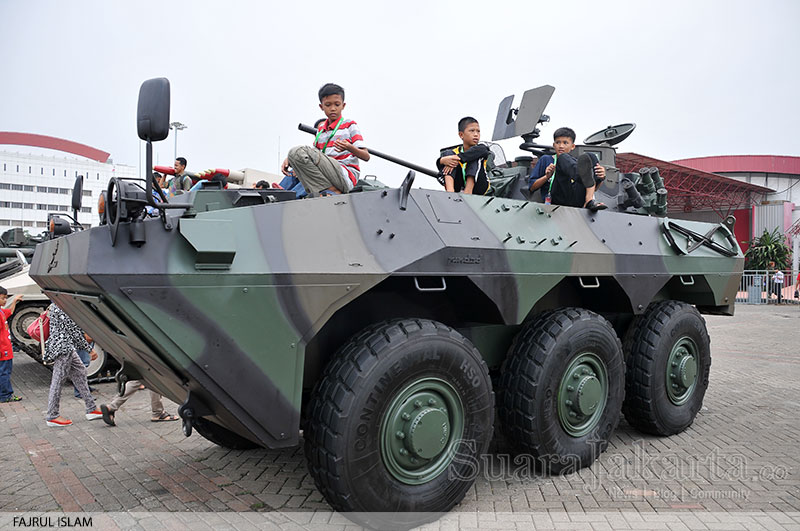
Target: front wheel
(222,436)
(398,422)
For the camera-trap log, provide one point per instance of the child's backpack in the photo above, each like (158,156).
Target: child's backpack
(39,329)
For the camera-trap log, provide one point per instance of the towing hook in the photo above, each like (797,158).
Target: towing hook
(187,414)
(187,426)
(193,407)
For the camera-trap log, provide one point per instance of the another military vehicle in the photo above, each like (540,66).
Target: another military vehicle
(15,246)
(372,321)
(16,250)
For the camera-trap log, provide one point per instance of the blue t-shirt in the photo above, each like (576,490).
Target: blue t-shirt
(538,170)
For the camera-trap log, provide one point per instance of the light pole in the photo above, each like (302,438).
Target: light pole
(177,126)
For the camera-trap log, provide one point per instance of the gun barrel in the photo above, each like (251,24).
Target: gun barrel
(11,252)
(410,165)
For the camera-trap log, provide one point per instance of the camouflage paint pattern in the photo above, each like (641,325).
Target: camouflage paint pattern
(239,306)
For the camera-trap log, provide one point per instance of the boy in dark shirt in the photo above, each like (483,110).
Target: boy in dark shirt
(573,180)
(464,167)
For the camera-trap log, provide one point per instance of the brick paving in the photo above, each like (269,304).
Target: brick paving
(736,467)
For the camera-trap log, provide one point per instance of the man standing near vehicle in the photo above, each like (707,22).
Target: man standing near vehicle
(777,281)
(180,182)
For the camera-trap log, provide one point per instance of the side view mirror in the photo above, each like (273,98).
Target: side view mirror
(152,115)
(77,195)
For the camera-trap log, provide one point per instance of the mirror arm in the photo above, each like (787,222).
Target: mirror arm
(149,172)
(149,188)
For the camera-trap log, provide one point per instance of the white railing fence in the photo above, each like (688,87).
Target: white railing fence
(759,287)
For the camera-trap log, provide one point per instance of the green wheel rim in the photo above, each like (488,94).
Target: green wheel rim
(582,394)
(682,371)
(420,429)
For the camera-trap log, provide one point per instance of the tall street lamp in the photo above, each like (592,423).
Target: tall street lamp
(177,126)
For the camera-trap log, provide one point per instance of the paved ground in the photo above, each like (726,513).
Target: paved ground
(737,467)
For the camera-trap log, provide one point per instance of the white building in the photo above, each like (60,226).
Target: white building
(34,184)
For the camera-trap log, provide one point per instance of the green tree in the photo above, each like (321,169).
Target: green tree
(769,247)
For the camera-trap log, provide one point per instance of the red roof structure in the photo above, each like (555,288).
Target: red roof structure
(744,164)
(51,142)
(694,189)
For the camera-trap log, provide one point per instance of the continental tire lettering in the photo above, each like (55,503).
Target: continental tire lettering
(366,414)
(361,442)
(471,374)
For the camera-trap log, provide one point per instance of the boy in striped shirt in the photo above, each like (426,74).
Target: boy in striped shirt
(330,166)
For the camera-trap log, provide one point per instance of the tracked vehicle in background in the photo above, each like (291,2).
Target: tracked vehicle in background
(372,321)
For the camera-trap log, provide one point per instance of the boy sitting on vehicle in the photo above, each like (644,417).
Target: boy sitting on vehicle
(463,168)
(331,164)
(573,180)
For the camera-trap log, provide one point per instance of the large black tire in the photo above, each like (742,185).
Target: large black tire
(24,315)
(665,326)
(532,400)
(349,447)
(222,436)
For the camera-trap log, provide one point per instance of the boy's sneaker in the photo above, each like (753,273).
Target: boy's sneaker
(56,422)
(586,170)
(93,415)
(594,206)
(12,398)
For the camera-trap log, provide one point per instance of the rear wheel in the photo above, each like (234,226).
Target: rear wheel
(562,387)
(669,361)
(398,421)
(18,325)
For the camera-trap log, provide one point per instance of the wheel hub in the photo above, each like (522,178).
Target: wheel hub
(588,395)
(582,395)
(428,433)
(419,429)
(682,371)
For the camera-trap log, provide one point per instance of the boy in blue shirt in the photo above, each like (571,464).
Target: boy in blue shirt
(573,180)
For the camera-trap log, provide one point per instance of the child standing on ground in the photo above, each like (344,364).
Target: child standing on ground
(330,166)
(6,349)
(62,346)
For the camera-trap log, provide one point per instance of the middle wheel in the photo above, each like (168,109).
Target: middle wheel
(562,387)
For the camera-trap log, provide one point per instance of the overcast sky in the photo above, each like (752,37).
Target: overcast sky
(698,78)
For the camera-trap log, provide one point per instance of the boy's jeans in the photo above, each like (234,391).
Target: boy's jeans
(86,359)
(6,391)
(293,184)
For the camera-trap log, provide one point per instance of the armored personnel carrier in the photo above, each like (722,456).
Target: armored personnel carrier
(375,321)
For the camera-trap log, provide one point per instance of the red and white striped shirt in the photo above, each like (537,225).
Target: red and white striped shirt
(348,130)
